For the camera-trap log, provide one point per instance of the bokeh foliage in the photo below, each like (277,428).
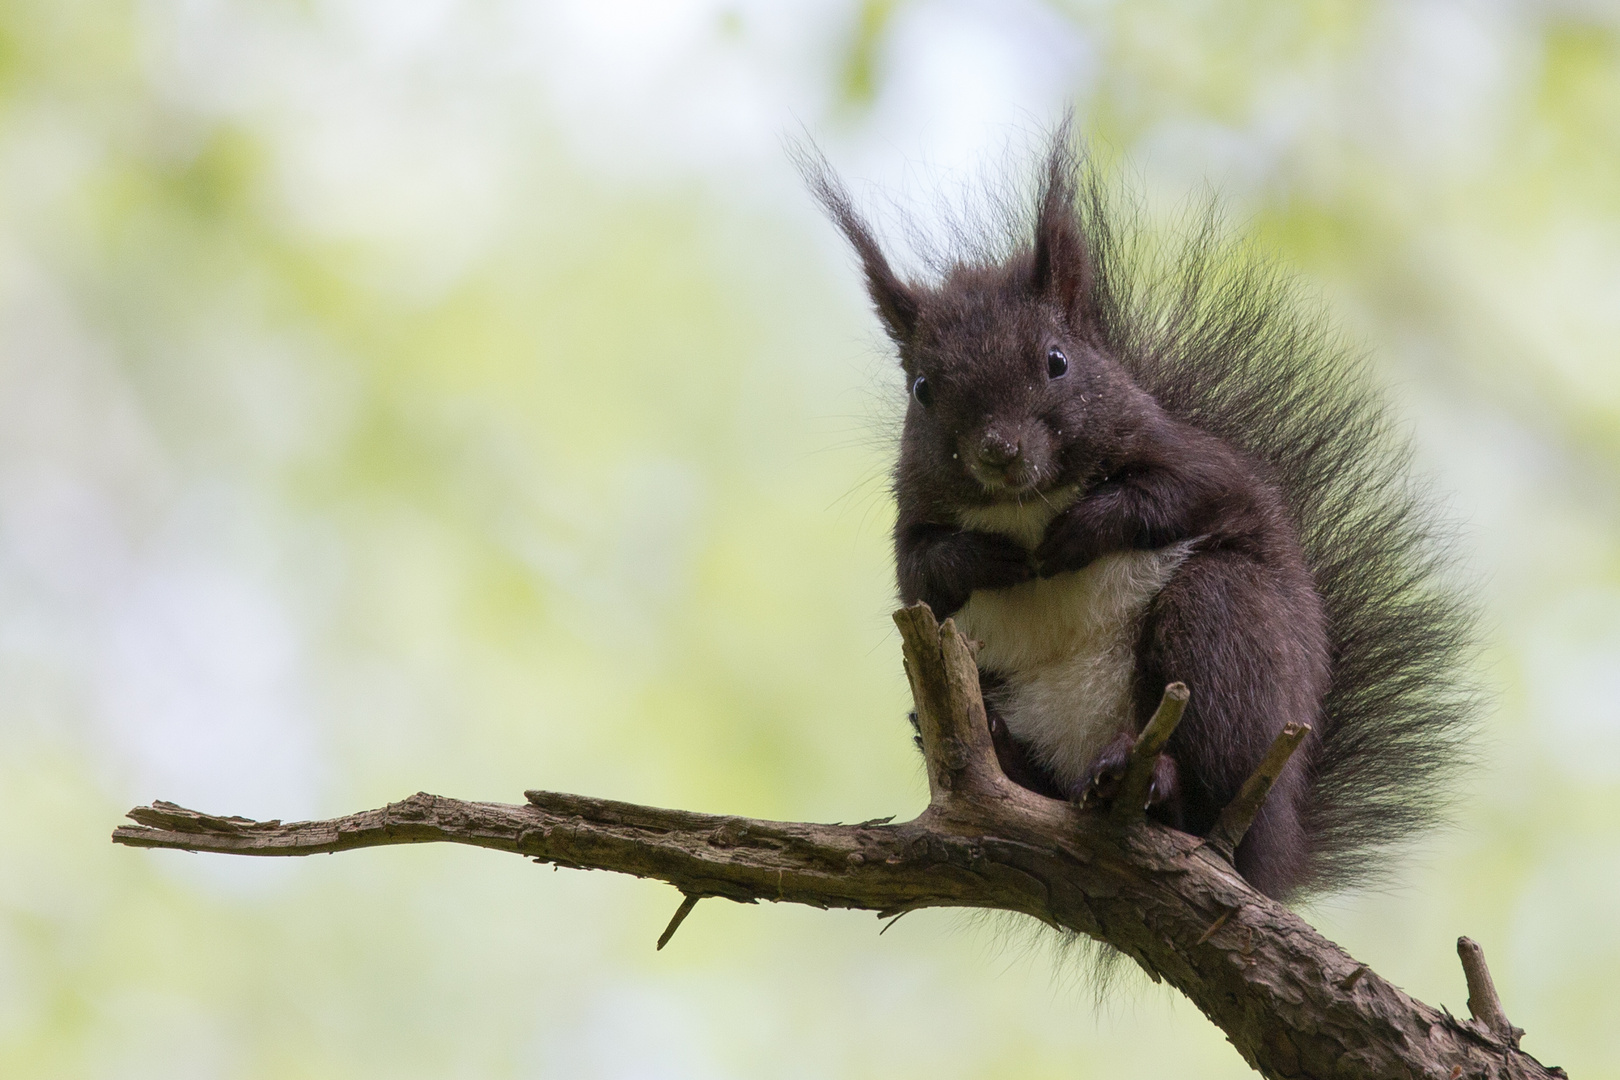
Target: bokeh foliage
(465,397)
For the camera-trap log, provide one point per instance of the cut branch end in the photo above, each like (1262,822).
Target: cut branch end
(1483,1004)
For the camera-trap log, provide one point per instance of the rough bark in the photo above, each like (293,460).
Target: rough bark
(1293,1003)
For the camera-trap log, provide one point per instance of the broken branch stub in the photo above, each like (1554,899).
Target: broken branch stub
(1239,814)
(950,710)
(1131,802)
(1483,1004)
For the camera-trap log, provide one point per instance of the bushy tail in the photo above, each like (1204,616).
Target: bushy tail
(1226,341)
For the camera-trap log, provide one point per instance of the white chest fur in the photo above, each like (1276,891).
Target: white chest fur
(1065,645)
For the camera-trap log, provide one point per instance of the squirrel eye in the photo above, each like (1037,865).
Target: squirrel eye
(922,392)
(1057,365)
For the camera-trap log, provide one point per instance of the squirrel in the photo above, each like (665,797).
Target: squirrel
(1116,481)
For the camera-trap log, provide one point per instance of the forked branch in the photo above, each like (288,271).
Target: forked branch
(1293,1003)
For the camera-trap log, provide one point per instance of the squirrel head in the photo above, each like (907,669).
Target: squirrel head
(1013,393)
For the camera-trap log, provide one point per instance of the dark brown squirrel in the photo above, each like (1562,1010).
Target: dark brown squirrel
(1116,483)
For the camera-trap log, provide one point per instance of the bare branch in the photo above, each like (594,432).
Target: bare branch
(675,921)
(1483,1004)
(950,712)
(1131,802)
(1239,813)
(1293,1003)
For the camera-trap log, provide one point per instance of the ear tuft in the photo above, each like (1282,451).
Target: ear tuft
(896,302)
(1061,269)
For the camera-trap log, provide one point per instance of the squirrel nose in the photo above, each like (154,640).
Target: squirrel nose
(997,450)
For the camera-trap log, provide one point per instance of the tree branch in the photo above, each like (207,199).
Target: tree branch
(687,904)
(1293,1003)
(1239,814)
(1131,802)
(1483,1004)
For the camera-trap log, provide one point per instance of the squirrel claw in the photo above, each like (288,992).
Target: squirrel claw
(1100,785)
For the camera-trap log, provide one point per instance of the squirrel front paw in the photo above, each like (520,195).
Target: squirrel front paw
(969,560)
(1071,542)
(990,560)
(1099,787)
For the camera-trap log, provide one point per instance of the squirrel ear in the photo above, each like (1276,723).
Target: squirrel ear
(896,302)
(1062,270)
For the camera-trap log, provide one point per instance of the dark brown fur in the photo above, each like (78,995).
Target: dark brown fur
(1243,621)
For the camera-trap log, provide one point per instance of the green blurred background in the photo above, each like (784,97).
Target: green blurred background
(465,396)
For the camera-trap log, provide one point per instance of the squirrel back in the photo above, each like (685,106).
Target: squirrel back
(1120,471)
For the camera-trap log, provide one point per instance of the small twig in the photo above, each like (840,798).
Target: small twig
(1239,813)
(1219,922)
(1350,980)
(680,916)
(892,919)
(1483,1004)
(1133,788)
